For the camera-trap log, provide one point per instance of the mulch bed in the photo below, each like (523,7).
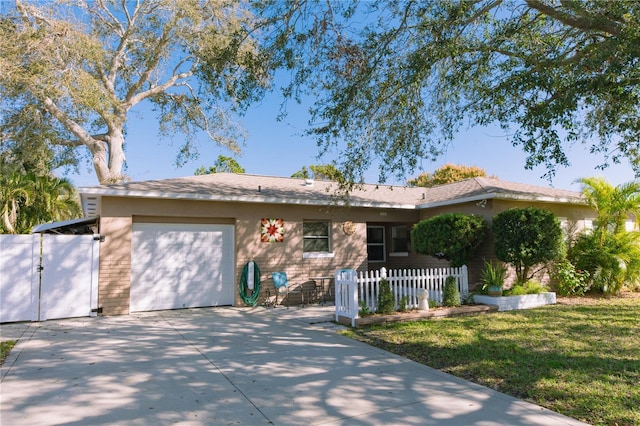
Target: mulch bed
(432,313)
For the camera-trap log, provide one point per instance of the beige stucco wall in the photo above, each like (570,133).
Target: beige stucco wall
(574,213)
(349,251)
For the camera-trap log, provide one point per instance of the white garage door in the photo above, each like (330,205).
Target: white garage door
(181,266)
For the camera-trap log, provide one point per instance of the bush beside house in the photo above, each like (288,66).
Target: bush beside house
(451,295)
(451,236)
(526,237)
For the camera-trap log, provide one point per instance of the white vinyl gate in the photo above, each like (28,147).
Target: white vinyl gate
(60,283)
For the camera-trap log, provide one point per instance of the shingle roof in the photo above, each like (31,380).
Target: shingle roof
(485,188)
(264,189)
(281,190)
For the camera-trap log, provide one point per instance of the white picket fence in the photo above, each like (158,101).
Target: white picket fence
(355,289)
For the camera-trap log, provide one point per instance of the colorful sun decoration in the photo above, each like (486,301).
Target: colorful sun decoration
(272,230)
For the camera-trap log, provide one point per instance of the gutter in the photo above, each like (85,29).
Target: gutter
(503,196)
(98,193)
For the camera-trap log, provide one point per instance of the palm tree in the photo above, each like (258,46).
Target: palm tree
(613,204)
(609,254)
(16,192)
(27,199)
(55,199)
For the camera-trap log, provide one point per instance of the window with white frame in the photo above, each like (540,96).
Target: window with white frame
(316,237)
(375,244)
(399,240)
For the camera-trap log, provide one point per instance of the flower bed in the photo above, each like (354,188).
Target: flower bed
(417,315)
(510,303)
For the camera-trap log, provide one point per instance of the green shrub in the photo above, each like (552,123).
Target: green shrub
(527,237)
(612,260)
(432,304)
(530,287)
(535,287)
(386,301)
(451,236)
(492,276)
(571,282)
(403,304)
(451,295)
(364,310)
(467,299)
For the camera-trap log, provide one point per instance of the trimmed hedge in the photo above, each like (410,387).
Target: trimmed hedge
(451,236)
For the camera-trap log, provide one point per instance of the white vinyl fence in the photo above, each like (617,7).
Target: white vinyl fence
(48,276)
(354,290)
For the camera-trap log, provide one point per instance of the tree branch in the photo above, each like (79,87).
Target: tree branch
(83,136)
(163,41)
(68,142)
(584,24)
(100,137)
(116,60)
(156,89)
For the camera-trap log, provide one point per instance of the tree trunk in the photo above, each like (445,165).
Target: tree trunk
(116,155)
(108,157)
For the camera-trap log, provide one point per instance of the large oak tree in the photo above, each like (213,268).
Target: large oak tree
(73,72)
(393,81)
(390,82)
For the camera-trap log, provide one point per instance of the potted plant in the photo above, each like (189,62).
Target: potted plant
(493,278)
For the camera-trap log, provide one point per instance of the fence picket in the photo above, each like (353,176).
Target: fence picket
(407,282)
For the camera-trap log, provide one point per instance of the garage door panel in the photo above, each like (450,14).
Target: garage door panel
(168,259)
(181,265)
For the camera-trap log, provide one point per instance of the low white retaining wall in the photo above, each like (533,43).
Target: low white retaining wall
(510,303)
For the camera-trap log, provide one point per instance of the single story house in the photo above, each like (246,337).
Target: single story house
(184,242)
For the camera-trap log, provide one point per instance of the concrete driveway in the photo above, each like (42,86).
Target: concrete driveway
(232,366)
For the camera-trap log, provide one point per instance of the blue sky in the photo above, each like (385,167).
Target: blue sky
(277,148)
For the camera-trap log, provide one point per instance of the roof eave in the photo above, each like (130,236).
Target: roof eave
(542,199)
(99,192)
(504,196)
(451,202)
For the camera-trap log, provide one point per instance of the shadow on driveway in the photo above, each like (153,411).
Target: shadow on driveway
(232,366)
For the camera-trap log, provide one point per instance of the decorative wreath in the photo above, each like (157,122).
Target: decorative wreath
(349,227)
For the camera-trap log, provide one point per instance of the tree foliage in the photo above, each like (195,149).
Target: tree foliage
(319,172)
(609,254)
(525,237)
(222,165)
(448,173)
(451,236)
(395,80)
(392,81)
(613,204)
(27,200)
(73,72)
(612,261)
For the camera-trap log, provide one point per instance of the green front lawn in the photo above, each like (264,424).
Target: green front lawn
(580,359)
(5,348)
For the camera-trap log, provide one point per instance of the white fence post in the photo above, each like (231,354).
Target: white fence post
(346,294)
(464,281)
